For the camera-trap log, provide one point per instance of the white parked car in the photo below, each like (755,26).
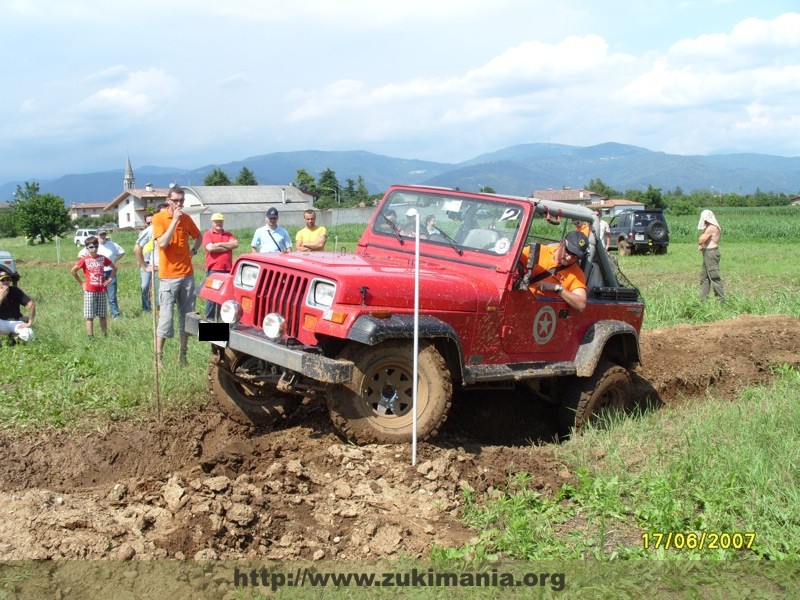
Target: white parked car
(82,234)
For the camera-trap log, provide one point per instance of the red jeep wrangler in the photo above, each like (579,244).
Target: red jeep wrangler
(342,325)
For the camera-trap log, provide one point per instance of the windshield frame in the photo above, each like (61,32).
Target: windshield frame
(474,223)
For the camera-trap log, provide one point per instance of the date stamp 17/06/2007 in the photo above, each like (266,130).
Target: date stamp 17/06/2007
(692,540)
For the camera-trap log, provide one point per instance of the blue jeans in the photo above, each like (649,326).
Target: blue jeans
(111,291)
(212,308)
(146,278)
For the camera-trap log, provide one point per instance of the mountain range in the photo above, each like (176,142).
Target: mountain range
(517,170)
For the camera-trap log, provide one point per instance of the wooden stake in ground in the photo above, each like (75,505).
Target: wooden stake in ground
(154,310)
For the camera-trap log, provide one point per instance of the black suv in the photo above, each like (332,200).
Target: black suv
(643,231)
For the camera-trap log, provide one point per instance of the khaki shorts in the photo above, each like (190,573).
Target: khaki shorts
(172,292)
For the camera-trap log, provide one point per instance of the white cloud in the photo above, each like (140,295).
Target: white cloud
(440,80)
(759,58)
(238,80)
(141,93)
(111,74)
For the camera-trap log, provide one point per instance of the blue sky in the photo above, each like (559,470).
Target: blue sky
(186,83)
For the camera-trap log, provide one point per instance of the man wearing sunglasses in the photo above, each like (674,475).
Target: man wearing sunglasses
(112,250)
(172,230)
(12,299)
(557,270)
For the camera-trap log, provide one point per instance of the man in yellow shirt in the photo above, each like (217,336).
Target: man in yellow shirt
(312,237)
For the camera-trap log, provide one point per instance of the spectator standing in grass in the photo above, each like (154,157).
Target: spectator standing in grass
(605,231)
(172,230)
(113,251)
(98,271)
(270,237)
(148,261)
(12,299)
(708,244)
(312,237)
(219,245)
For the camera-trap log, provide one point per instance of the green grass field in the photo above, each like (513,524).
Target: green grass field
(697,477)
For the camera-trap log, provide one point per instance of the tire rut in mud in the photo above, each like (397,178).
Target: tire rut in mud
(199,485)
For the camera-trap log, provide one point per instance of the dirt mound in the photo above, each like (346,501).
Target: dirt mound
(201,486)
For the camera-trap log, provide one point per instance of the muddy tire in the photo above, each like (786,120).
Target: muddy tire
(586,398)
(623,248)
(242,402)
(377,406)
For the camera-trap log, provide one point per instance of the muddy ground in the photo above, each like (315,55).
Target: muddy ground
(200,486)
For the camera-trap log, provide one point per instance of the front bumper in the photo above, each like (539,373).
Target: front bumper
(251,341)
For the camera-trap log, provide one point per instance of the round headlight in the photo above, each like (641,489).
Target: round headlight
(230,312)
(273,326)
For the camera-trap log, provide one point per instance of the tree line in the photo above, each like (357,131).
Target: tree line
(680,203)
(42,217)
(326,189)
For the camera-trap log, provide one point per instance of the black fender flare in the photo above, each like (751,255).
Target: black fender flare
(371,330)
(597,338)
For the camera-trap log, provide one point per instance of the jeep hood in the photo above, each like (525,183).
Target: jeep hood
(389,281)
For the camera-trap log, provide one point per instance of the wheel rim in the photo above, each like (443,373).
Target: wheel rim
(246,391)
(611,399)
(388,391)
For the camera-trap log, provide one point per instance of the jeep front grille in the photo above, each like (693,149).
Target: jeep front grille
(281,292)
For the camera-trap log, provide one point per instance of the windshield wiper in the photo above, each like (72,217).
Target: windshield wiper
(394,228)
(453,243)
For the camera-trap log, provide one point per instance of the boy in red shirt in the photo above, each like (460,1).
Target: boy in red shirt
(95,300)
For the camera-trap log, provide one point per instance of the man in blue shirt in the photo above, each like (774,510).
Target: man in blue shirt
(270,237)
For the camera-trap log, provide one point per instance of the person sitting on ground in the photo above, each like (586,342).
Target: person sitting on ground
(12,299)
(557,270)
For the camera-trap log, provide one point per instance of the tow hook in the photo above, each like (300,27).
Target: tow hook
(287,382)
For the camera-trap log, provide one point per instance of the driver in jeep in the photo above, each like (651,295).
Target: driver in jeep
(557,270)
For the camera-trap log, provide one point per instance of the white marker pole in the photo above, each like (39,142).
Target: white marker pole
(416,345)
